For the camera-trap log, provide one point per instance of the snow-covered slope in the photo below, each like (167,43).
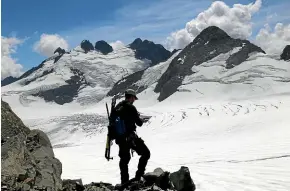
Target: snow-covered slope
(141,80)
(75,78)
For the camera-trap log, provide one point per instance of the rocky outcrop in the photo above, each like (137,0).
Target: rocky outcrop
(64,93)
(59,51)
(156,181)
(126,83)
(149,50)
(103,47)
(8,80)
(27,158)
(210,43)
(87,46)
(286,53)
(174,51)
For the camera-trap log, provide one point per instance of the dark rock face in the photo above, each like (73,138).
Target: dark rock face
(11,123)
(210,43)
(174,51)
(27,158)
(149,50)
(43,74)
(103,47)
(126,83)
(65,93)
(8,80)
(286,53)
(86,45)
(59,51)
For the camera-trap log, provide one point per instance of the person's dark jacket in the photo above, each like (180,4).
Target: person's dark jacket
(130,115)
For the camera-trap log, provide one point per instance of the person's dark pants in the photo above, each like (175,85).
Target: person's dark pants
(138,145)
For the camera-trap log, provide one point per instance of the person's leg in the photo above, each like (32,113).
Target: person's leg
(124,154)
(141,149)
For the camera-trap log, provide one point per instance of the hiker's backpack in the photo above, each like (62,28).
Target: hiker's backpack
(117,126)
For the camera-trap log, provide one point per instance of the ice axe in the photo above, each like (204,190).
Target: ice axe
(108,142)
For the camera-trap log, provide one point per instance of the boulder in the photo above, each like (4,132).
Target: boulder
(27,158)
(181,180)
(72,185)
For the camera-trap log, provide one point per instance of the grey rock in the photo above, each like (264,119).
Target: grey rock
(11,124)
(286,53)
(159,178)
(27,158)
(182,180)
(99,187)
(70,185)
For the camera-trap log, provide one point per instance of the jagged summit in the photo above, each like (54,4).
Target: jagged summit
(103,47)
(212,33)
(146,49)
(210,43)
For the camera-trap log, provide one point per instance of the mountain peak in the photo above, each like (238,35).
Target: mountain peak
(209,44)
(136,43)
(103,47)
(212,33)
(146,49)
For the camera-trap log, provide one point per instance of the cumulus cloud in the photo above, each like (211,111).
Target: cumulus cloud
(273,42)
(236,21)
(48,43)
(117,45)
(9,65)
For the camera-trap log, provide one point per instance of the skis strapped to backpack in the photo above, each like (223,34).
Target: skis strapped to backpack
(110,126)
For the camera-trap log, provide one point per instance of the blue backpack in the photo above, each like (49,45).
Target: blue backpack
(120,128)
(116,126)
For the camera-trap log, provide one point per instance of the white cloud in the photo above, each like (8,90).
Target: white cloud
(117,45)
(9,65)
(236,21)
(48,43)
(273,42)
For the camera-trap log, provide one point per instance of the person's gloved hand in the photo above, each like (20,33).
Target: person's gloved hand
(145,119)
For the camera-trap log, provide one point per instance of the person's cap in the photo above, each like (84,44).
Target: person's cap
(131,92)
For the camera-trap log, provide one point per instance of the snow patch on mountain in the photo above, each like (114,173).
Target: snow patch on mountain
(86,76)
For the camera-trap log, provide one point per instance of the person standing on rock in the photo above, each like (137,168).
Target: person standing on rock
(129,114)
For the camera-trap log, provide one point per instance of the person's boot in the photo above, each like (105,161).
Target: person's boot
(138,175)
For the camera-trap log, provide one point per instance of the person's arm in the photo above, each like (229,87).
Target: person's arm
(136,116)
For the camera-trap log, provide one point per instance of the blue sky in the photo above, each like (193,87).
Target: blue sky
(111,20)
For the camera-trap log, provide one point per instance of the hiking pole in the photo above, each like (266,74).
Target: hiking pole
(108,142)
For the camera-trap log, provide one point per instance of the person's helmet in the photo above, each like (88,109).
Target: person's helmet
(131,92)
